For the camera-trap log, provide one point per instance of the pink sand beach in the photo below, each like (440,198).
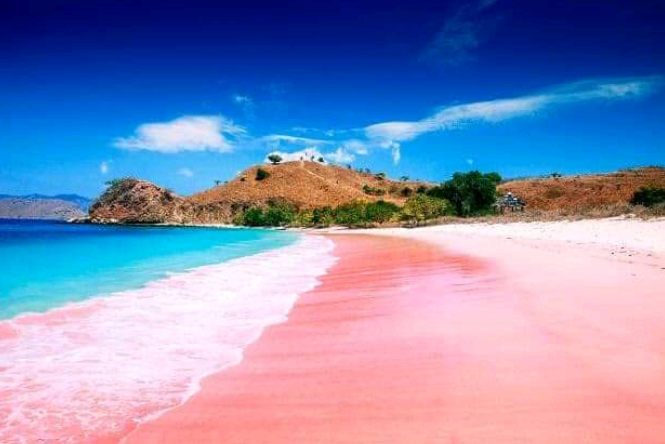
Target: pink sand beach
(464,339)
(454,334)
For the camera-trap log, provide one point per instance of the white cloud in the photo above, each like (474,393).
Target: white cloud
(304,154)
(104,167)
(340,155)
(356,146)
(396,153)
(503,109)
(185,172)
(284,139)
(187,133)
(469,161)
(242,100)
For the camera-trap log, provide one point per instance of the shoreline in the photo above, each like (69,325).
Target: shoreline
(115,344)
(454,339)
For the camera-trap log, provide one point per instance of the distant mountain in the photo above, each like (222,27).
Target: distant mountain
(39,206)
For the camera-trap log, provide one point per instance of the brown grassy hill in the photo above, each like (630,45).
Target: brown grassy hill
(303,184)
(573,194)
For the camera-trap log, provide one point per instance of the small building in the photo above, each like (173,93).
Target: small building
(508,201)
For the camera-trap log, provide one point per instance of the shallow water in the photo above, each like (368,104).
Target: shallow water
(48,264)
(91,371)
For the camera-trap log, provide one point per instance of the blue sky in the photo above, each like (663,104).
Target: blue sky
(185,93)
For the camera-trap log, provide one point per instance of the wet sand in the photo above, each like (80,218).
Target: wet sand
(408,342)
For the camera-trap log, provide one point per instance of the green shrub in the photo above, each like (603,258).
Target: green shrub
(350,214)
(279,215)
(648,196)
(422,207)
(373,191)
(323,216)
(380,212)
(304,218)
(253,218)
(470,193)
(262,174)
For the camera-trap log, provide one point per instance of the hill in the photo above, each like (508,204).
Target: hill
(581,193)
(304,185)
(38,206)
(308,185)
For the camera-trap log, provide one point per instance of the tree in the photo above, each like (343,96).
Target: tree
(350,214)
(322,160)
(323,216)
(470,193)
(422,207)
(253,218)
(275,158)
(380,211)
(279,214)
(262,174)
(380,176)
(217,182)
(304,218)
(404,178)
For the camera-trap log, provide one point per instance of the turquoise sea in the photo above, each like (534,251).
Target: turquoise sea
(48,264)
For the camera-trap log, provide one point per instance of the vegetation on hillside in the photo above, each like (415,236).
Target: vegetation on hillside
(262,174)
(648,196)
(419,209)
(275,158)
(471,193)
(373,191)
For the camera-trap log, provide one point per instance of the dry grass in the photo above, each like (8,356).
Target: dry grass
(306,185)
(602,193)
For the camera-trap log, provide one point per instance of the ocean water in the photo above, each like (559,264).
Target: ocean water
(47,264)
(125,322)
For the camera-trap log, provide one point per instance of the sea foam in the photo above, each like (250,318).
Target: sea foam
(96,369)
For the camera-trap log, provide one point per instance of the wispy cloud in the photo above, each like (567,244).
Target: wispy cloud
(285,139)
(187,133)
(246,104)
(469,26)
(185,172)
(340,155)
(104,167)
(216,133)
(458,116)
